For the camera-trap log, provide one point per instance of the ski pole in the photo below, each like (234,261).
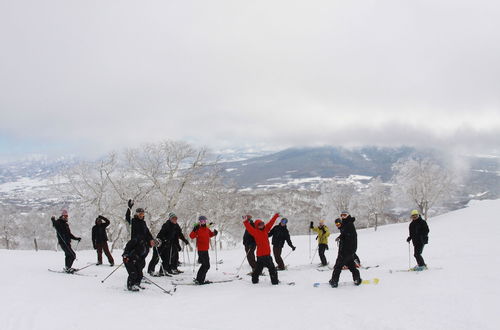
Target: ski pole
(309,243)
(194,258)
(112,272)
(187,253)
(165,291)
(409,253)
(216,263)
(79,269)
(287,255)
(242,261)
(76,249)
(314,255)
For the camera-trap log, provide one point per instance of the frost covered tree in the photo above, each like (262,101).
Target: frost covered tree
(376,200)
(422,182)
(337,197)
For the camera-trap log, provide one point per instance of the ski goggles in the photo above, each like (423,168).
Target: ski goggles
(203,222)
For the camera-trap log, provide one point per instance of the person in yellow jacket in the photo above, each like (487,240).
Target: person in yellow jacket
(323,233)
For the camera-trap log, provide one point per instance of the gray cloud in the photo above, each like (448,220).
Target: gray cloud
(103,75)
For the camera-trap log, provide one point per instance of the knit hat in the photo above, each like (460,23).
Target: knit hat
(321,222)
(258,222)
(139,210)
(415,212)
(344,212)
(338,221)
(64,212)
(202,218)
(284,221)
(172,215)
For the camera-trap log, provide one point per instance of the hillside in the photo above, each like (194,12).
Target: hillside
(458,292)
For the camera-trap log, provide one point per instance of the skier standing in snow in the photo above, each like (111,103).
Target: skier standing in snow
(169,236)
(249,243)
(202,234)
(136,250)
(260,234)
(280,234)
(347,248)
(419,232)
(346,217)
(100,240)
(64,237)
(323,233)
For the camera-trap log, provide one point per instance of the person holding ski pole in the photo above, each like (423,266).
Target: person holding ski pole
(100,240)
(280,234)
(260,234)
(202,233)
(169,236)
(135,252)
(323,233)
(347,242)
(64,237)
(249,244)
(419,232)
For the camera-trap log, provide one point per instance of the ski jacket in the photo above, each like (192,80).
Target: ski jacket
(323,233)
(64,235)
(280,234)
(99,234)
(202,235)
(170,233)
(348,239)
(139,231)
(248,239)
(261,236)
(419,231)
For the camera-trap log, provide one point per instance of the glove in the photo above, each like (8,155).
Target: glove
(53,218)
(215,232)
(408,239)
(95,247)
(323,230)
(196,227)
(311,225)
(130,203)
(293,248)
(211,224)
(337,239)
(152,243)
(158,242)
(78,239)
(126,259)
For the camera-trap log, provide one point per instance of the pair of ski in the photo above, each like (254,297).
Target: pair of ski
(75,272)
(373,281)
(175,283)
(414,270)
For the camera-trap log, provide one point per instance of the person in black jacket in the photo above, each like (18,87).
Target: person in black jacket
(347,247)
(280,234)
(249,244)
(64,237)
(136,250)
(419,232)
(100,240)
(169,236)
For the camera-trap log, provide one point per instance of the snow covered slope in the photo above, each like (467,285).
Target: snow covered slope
(462,294)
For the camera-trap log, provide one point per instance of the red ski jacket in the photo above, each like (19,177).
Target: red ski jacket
(202,236)
(260,236)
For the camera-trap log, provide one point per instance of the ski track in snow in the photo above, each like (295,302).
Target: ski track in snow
(462,295)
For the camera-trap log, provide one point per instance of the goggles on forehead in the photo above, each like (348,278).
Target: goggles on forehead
(203,221)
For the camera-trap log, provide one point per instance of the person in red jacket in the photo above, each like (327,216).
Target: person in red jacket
(202,234)
(260,234)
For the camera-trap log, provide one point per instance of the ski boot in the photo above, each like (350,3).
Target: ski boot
(358,281)
(333,283)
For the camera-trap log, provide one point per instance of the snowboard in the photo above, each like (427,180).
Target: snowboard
(374,281)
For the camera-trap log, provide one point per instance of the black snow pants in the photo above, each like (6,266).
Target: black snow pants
(204,259)
(70,255)
(417,253)
(345,261)
(265,261)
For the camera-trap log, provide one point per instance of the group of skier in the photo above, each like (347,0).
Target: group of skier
(166,246)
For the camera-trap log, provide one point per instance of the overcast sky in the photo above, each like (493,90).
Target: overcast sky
(85,77)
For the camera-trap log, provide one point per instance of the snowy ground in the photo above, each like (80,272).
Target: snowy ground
(462,295)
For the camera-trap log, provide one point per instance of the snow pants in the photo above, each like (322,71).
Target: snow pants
(103,246)
(345,261)
(70,255)
(134,271)
(417,253)
(321,251)
(277,257)
(204,259)
(265,261)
